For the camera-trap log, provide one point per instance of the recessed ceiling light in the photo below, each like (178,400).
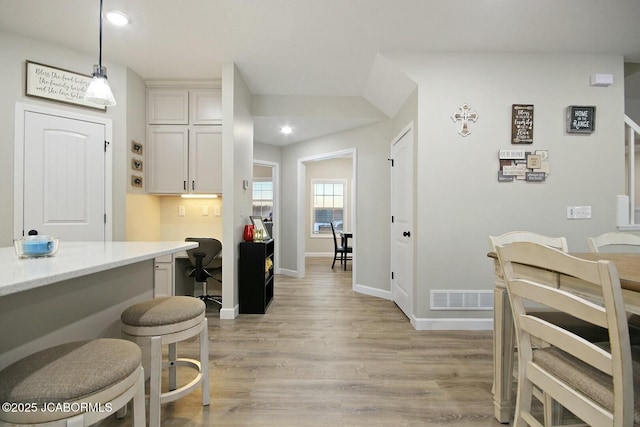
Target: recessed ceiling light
(117,18)
(286,130)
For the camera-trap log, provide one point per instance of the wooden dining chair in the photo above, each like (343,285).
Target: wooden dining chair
(592,380)
(614,240)
(340,252)
(619,242)
(504,336)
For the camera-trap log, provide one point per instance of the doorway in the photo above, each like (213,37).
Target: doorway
(62,174)
(304,229)
(266,201)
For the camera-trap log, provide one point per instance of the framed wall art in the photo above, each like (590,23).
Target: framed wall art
(522,124)
(57,84)
(581,119)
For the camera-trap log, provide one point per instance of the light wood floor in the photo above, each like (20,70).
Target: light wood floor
(324,355)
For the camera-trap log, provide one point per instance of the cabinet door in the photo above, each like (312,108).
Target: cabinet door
(168,159)
(205,107)
(163,279)
(205,160)
(168,106)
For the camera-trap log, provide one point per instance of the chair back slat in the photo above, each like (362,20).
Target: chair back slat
(624,240)
(528,236)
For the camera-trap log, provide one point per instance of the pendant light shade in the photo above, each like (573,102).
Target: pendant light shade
(99,91)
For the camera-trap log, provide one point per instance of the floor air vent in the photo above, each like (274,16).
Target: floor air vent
(461,300)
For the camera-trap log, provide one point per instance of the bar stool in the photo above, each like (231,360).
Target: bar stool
(80,382)
(167,321)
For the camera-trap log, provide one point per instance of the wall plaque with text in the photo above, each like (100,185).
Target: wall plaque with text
(522,124)
(56,84)
(581,119)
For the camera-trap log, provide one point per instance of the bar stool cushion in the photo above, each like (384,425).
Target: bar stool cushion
(163,311)
(69,372)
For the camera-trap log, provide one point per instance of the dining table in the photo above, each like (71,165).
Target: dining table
(628,267)
(345,236)
(344,242)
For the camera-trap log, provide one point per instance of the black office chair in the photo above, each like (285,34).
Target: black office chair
(206,263)
(340,252)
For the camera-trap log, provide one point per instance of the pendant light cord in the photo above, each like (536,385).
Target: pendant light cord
(100,48)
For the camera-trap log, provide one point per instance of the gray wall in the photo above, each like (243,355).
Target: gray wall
(458,199)
(136,124)
(14,51)
(237,155)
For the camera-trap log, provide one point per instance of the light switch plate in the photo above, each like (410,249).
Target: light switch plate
(578,212)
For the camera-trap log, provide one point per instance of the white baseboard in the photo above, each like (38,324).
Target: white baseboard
(366,290)
(287,272)
(452,324)
(229,313)
(318,254)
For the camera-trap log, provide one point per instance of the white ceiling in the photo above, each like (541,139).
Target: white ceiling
(320,47)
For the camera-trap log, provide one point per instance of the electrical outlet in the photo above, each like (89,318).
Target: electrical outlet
(181,211)
(578,212)
(205,210)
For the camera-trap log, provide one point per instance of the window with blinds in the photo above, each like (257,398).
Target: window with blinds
(327,206)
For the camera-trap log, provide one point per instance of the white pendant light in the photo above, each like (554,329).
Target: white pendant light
(99,91)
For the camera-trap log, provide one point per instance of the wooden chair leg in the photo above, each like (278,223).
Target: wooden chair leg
(204,363)
(155,382)
(173,351)
(139,404)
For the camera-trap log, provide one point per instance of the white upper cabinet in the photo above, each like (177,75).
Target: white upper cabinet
(168,159)
(205,107)
(168,106)
(205,160)
(184,135)
(185,160)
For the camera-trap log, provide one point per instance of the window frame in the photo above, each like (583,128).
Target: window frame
(262,180)
(312,208)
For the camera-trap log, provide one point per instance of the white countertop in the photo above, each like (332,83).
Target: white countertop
(76,259)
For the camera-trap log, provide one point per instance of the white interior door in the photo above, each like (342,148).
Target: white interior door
(64,177)
(402,254)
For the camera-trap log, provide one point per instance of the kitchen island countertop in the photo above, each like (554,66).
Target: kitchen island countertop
(76,259)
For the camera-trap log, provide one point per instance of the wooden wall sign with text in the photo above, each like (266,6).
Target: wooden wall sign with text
(522,124)
(56,84)
(581,119)
(521,165)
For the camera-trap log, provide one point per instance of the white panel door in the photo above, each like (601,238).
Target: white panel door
(402,225)
(64,177)
(205,159)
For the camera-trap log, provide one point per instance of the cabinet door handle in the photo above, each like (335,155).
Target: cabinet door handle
(193,185)
(184,185)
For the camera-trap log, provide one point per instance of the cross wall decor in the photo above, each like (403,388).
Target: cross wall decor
(464,115)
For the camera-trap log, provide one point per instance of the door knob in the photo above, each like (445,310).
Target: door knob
(406,234)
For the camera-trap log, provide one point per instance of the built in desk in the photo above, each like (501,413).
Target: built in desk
(77,294)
